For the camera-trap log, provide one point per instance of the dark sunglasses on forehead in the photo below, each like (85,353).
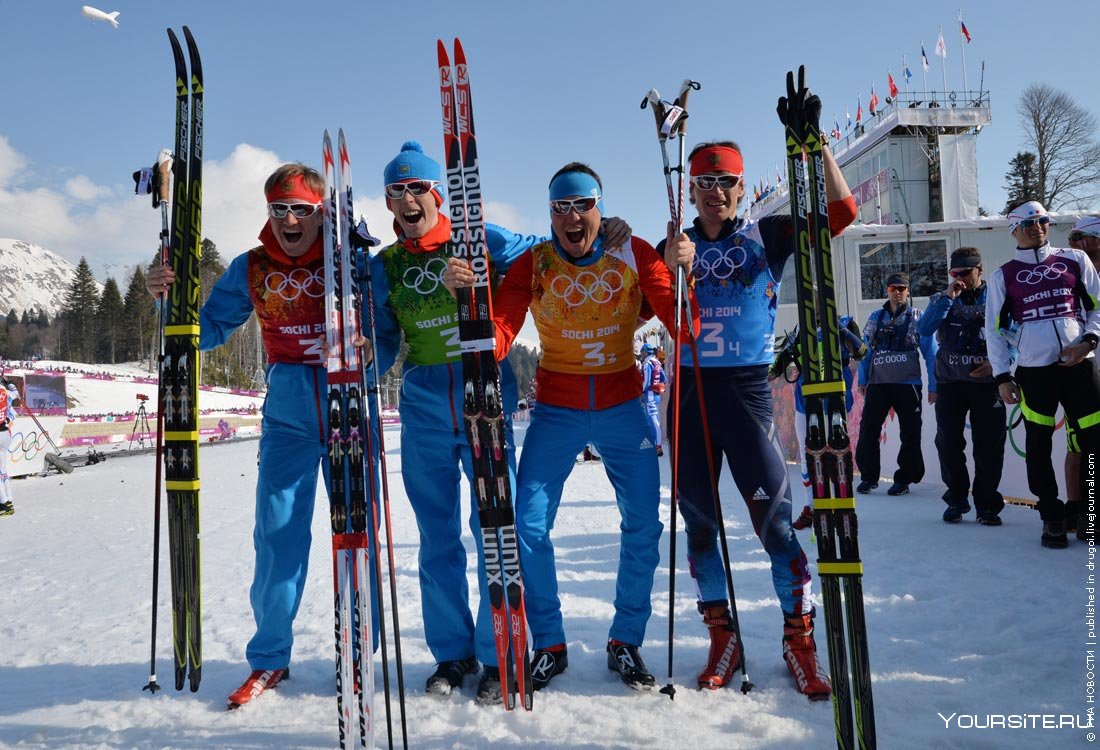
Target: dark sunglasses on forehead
(1029,223)
(396,190)
(580,205)
(708,181)
(300,210)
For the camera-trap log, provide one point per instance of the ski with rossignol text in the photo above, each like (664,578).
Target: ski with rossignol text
(828,446)
(482,406)
(179,368)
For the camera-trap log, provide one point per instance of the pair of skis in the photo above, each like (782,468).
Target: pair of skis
(828,447)
(482,408)
(352,478)
(178,409)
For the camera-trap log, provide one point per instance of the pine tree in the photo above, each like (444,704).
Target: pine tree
(79,313)
(1022,180)
(43,320)
(12,319)
(110,315)
(139,312)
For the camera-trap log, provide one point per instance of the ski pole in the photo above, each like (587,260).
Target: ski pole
(362,241)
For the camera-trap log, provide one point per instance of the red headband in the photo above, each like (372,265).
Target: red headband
(716,159)
(293,188)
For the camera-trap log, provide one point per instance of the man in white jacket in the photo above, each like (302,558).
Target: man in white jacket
(1051,295)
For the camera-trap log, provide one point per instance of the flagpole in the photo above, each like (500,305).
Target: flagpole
(962,47)
(943,66)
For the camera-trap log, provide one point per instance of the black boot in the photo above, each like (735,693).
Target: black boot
(546,664)
(450,675)
(624,659)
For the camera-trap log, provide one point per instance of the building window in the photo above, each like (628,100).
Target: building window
(924,260)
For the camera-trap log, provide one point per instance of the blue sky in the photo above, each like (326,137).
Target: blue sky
(83,105)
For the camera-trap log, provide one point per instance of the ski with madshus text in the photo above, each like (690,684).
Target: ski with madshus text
(482,408)
(828,446)
(179,367)
(346,461)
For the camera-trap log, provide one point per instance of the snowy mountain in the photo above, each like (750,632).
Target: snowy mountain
(32,277)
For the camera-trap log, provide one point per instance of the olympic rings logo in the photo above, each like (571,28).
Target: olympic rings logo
(26,447)
(1037,273)
(717,263)
(298,282)
(427,279)
(587,286)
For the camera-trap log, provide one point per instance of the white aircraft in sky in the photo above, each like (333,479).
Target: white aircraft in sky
(97,15)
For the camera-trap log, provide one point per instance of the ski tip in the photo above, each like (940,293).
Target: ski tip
(441,52)
(460,54)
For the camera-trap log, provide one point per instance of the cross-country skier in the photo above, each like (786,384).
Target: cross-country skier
(585,296)
(738,267)
(282,281)
(1051,293)
(654,382)
(410,299)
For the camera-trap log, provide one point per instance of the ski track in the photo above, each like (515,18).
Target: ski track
(963,619)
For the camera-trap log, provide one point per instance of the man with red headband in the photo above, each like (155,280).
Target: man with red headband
(282,281)
(412,304)
(736,275)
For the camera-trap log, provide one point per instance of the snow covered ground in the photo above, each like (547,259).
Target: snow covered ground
(963,620)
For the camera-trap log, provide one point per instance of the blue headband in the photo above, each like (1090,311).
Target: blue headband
(569,184)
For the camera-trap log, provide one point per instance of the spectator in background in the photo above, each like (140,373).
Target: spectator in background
(890,379)
(964,385)
(8,396)
(1051,294)
(1084,236)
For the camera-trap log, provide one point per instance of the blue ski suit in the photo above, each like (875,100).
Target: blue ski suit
(287,295)
(411,301)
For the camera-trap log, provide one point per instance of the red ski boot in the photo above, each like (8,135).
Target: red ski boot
(800,653)
(257,682)
(724,658)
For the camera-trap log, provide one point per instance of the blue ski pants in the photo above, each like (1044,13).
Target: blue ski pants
(555,437)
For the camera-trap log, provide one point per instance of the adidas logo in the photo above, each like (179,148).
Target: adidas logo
(760,494)
(645,444)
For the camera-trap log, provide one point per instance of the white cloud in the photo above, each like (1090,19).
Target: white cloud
(11,162)
(83,189)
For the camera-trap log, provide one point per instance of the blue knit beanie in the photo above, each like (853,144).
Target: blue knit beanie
(412,164)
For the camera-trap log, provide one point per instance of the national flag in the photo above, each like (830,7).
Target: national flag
(755,193)
(908,75)
(923,57)
(778,178)
(941,47)
(872,104)
(836,130)
(893,86)
(848,115)
(859,111)
(965,33)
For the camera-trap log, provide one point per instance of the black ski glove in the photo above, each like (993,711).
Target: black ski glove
(800,106)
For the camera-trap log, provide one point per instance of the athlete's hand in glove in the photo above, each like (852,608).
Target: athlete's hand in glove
(679,250)
(457,275)
(615,231)
(800,105)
